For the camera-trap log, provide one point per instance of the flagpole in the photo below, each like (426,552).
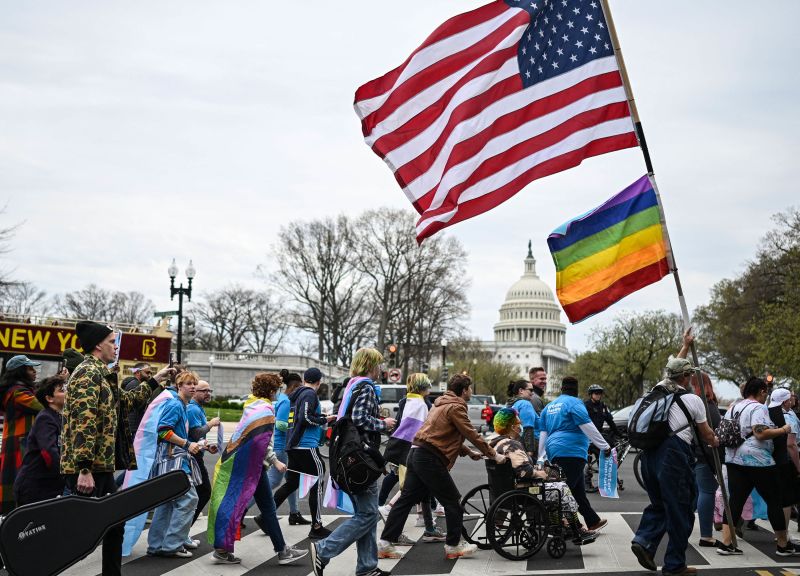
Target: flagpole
(623,71)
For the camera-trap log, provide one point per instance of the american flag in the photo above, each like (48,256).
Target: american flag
(494,99)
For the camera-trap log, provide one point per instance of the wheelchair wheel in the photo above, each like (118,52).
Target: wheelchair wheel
(517,525)
(475,505)
(556,547)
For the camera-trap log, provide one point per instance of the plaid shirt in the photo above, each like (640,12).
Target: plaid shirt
(366,410)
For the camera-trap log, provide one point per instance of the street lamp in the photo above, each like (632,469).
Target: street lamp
(444,361)
(180,291)
(474,370)
(211,369)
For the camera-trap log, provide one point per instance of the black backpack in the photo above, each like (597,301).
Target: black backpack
(355,465)
(648,425)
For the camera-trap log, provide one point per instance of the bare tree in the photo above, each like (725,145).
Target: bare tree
(225,317)
(6,234)
(24,299)
(132,308)
(316,272)
(94,303)
(267,325)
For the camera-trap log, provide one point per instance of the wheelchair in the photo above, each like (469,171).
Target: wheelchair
(514,517)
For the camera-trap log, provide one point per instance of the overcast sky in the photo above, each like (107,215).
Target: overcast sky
(135,132)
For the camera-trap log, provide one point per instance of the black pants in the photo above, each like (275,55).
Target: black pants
(30,490)
(426,474)
(307,461)
(112,542)
(742,480)
(573,470)
(204,489)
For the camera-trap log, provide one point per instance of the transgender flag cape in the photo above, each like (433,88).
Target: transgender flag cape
(237,472)
(414,414)
(335,498)
(144,445)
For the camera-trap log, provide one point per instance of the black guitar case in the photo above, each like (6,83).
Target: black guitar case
(50,536)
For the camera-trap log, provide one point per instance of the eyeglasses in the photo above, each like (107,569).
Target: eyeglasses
(209,391)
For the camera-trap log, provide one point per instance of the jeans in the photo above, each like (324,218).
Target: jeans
(104,483)
(360,528)
(169,529)
(573,470)
(426,475)
(669,479)
(275,479)
(706,492)
(266,505)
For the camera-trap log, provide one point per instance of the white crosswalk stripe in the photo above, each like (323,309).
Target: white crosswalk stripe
(609,554)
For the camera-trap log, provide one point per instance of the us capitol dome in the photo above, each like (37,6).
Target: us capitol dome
(530,332)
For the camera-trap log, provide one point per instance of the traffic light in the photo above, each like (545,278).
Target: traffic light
(392,354)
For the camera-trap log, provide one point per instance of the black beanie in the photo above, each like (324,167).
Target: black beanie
(91,334)
(569,386)
(71,359)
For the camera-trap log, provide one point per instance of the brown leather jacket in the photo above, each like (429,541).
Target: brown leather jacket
(446,428)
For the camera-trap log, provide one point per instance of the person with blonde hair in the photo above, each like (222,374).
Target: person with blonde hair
(412,411)
(360,528)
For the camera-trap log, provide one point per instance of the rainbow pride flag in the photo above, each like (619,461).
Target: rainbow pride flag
(238,471)
(609,252)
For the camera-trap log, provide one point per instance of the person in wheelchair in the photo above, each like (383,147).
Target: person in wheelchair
(508,426)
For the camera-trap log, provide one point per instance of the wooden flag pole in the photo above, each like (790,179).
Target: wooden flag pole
(670,255)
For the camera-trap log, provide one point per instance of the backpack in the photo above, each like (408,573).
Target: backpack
(355,465)
(729,431)
(648,425)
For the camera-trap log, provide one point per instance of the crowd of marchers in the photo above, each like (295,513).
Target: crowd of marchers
(73,434)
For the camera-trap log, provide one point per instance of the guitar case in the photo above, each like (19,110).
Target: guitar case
(50,536)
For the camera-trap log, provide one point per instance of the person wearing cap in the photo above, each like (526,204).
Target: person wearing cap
(302,446)
(89,453)
(565,434)
(39,477)
(18,400)
(668,471)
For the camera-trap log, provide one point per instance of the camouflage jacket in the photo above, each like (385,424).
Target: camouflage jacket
(91,417)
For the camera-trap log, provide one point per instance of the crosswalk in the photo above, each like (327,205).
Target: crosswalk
(610,554)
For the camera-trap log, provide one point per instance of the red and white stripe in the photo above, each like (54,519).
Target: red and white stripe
(462,135)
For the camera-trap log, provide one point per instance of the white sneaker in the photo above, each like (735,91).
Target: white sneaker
(384,511)
(461,550)
(439,511)
(192,544)
(386,550)
(420,522)
(289,555)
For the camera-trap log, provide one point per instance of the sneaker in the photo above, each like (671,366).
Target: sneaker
(439,511)
(404,540)
(599,526)
(420,522)
(260,523)
(223,557)
(179,553)
(728,550)
(318,533)
(316,561)
(296,519)
(643,556)
(788,550)
(289,555)
(461,550)
(191,544)
(434,535)
(388,551)
(384,511)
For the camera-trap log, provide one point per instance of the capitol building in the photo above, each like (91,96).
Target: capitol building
(530,332)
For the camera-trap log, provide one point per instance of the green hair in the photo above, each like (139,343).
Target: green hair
(417,383)
(365,360)
(504,420)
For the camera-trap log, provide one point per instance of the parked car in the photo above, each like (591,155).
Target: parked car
(240,400)
(391,394)
(620,420)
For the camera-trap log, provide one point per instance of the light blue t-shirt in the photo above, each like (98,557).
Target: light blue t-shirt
(281,415)
(175,418)
(791,420)
(527,415)
(197,417)
(561,419)
(753,452)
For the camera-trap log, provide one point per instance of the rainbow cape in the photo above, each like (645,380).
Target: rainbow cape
(609,252)
(144,445)
(237,472)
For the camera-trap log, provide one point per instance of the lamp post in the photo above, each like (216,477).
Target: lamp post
(180,291)
(444,361)
(211,369)
(474,370)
